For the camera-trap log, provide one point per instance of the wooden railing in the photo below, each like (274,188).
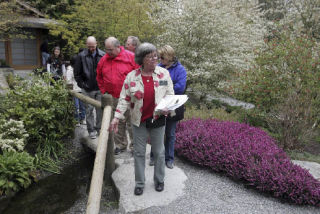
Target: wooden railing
(104,151)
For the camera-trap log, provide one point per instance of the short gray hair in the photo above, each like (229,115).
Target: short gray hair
(114,41)
(135,40)
(143,50)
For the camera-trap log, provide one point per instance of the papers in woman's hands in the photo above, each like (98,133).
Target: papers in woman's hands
(171,102)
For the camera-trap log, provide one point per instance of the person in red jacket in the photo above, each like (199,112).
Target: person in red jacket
(111,73)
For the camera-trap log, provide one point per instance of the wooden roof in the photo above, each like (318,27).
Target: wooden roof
(32,9)
(36,19)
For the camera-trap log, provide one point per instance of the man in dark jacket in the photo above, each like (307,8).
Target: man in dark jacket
(85,75)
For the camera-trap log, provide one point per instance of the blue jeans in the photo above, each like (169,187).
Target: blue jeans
(80,113)
(92,123)
(44,58)
(170,138)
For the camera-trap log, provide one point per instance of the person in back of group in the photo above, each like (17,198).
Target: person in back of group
(55,64)
(85,75)
(111,72)
(178,75)
(142,90)
(132,43)
(44,49)
(80,110)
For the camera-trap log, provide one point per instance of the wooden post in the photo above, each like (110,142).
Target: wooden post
(93,205)
(110,151)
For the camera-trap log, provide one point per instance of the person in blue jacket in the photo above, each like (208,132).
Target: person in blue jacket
(178,75)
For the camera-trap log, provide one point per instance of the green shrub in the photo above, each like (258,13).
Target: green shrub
(253,117)
(12,80)
(284,86)
(45,108)
(205,113)
(12,135)
(15,171)
(287,63)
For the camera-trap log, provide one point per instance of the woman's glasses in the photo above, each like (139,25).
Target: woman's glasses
(154,56)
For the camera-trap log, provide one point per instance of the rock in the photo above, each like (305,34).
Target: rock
(313,167)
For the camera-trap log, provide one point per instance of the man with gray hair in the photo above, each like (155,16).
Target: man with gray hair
(85,75)
(132,43)
(111,73)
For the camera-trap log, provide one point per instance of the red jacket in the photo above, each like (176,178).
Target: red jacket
(111,72)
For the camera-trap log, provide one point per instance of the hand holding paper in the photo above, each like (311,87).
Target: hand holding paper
(171,102)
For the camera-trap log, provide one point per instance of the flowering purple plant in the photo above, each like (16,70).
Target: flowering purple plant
(246,153)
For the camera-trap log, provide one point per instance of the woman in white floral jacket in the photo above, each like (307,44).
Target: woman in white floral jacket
(141,92)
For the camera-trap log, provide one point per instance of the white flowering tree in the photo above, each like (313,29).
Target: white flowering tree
(300,16)
(213,39)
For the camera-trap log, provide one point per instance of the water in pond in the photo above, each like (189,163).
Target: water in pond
(54,194)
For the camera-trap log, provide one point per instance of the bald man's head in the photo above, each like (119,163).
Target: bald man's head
(91,44)
(112,46)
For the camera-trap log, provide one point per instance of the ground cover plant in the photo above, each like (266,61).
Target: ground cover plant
(246,153)
(16,166)
(16,171)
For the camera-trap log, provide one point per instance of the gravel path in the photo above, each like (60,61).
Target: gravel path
(209,192)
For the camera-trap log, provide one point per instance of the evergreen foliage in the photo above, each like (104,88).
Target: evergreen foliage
(9,20)
(101,18)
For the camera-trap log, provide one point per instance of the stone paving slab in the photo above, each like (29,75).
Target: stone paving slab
(124,181)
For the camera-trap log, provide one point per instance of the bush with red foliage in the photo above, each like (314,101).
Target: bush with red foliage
(246,153)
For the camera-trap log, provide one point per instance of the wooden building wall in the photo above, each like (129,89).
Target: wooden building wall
(22,54)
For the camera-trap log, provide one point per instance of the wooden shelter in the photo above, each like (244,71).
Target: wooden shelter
(24,54)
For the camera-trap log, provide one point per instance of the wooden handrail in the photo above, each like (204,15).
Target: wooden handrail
(104,151)
(93,205)
(86,99)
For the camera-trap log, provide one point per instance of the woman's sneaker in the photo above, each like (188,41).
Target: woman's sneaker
(169,164)
(92,135)
(151,162)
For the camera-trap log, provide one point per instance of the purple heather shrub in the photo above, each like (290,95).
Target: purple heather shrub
(246,153)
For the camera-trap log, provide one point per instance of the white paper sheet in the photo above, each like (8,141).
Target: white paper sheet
(171,102)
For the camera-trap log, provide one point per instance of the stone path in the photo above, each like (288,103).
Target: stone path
(192,189)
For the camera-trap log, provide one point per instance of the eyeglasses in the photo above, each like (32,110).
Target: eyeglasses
(109,50)
(155,56)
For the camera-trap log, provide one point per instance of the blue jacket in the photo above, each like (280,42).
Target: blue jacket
(179,77)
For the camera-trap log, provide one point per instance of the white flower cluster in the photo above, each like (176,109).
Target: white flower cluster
(12,135)
(212,38)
